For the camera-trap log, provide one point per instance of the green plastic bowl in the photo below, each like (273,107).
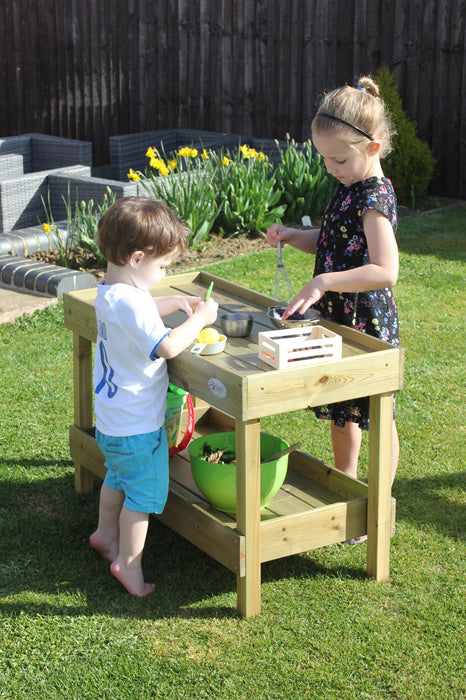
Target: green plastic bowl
(218,481)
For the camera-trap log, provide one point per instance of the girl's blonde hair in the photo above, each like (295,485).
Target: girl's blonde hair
(358,113)
(140,223)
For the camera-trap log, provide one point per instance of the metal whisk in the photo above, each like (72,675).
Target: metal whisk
(282,288)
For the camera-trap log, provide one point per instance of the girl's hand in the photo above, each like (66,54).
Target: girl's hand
(276,233)
(302,239)
(308,296)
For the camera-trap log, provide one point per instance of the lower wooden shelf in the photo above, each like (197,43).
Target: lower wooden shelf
(316,506)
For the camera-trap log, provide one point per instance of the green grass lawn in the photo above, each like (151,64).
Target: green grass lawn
(68,630)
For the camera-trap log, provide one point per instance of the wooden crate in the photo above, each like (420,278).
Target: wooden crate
(298,346)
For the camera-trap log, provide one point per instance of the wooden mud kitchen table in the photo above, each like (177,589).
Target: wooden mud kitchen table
(317,505)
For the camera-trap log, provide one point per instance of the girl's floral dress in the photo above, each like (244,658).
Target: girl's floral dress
(342,245)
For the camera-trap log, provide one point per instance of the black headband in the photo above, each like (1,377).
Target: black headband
(343,121)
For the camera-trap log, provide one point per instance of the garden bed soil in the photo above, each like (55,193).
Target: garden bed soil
(216,249)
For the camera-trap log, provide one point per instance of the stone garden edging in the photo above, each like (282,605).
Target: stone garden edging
(20,273)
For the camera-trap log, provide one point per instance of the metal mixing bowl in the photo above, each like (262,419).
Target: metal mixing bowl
(236,325)
(296,320)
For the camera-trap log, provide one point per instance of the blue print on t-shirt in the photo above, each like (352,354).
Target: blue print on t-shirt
(102,329)
(112,388)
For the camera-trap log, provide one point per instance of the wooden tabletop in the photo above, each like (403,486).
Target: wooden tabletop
(236,380)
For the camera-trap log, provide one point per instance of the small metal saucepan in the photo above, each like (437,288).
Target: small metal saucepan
(296,320)
(236,325)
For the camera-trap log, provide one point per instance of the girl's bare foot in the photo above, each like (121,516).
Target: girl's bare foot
(108,551)
(132,579)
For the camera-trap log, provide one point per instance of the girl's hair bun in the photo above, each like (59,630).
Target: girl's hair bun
(369,85)
(357,108)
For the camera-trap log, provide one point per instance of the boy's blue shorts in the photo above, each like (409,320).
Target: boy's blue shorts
(137,465)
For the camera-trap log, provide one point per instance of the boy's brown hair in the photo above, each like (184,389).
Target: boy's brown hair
(140,223)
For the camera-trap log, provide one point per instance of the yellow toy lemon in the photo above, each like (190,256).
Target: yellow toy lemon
(209,335)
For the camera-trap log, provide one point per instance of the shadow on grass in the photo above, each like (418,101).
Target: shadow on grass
(47,566)
(429,502)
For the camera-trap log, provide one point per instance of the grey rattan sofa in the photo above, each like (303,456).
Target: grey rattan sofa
(25,163)
(24,188)
(43,152)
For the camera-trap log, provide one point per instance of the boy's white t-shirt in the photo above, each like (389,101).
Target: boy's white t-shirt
(130,380)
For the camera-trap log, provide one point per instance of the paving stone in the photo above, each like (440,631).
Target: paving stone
(14,304)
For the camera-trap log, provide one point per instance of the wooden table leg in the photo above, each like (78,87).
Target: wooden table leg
(83,416)
(379,486)
(248,514)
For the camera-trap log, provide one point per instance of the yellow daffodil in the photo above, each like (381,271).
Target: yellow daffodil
(225,161)
(160,165)
(47,228)
(172,164)
(133,175)
(151,152)
(204,154)
(252,153)
(184,152)
(187,152)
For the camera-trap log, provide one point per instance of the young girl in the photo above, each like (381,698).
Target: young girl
(139,238)
(356,252)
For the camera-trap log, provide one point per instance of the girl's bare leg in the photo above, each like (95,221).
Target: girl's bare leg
(127,566)
(346,444)
(106,538)
(395,451)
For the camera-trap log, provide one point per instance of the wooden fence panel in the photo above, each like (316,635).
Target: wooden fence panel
(91,69)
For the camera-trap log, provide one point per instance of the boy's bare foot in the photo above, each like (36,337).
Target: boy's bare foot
(132,580)
(109,552)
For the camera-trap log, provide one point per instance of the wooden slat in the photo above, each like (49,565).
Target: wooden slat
(79,313)
(379,486)
(205,531)
(312,528)
(310,494)
(327,382)
(88,459)
(83,408)
(191,499)
(248,514)
(332,479)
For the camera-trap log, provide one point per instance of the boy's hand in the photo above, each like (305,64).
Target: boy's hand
(188,304)
(208,311)
(180,338)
